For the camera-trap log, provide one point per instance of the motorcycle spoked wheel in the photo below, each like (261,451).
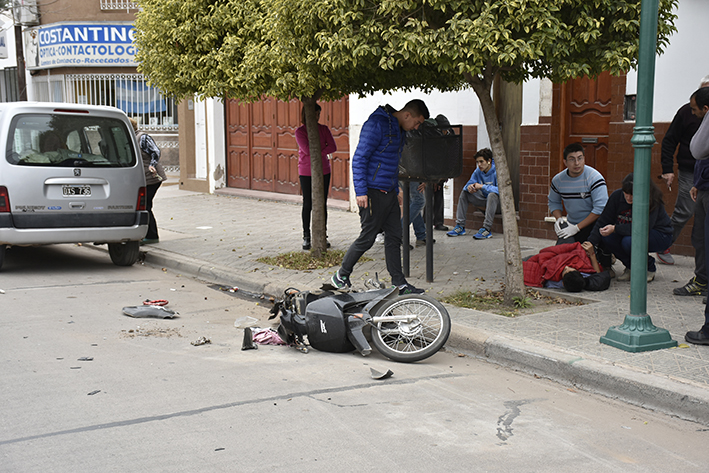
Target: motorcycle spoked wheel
(407,342)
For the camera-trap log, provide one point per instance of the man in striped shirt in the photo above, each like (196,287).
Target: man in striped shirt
(582,191)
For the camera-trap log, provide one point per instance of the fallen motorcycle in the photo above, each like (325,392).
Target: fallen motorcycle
(405,328)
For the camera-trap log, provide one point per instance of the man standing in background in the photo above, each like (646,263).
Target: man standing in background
(683,127)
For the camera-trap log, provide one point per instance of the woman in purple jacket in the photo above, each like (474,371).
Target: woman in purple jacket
(327,146)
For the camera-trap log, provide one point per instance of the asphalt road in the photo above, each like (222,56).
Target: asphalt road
(148,400)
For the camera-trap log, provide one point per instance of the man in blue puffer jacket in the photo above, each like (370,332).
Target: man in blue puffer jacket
(375,172)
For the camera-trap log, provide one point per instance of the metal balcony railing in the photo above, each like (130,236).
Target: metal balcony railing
(118,5)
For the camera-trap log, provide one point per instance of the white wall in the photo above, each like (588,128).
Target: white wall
(8,29)
(461,108)
(210,139)
(683,64)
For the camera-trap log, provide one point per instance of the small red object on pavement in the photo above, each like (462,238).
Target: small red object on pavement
(159,302)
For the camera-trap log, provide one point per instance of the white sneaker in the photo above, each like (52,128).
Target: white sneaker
(650,276)
(380,238)
(625,276)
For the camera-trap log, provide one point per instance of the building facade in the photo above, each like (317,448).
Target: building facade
(81,51)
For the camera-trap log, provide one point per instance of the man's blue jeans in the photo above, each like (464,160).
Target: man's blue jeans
(416,204)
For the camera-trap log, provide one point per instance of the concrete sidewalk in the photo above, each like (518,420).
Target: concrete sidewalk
(219,237)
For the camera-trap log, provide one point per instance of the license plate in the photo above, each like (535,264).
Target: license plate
(70,191)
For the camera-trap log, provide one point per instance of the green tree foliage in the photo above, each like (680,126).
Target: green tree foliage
(247,49)
(476,41)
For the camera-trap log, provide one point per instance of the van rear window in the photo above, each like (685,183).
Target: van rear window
(69,141)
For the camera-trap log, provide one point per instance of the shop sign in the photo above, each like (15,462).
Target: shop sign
(80,45)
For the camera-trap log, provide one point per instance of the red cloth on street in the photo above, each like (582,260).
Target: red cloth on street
(550,262)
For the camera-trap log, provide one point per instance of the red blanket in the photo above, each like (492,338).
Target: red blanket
(551,261)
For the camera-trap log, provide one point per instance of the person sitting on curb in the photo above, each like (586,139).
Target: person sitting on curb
(582,191)
(614,227)
(481,190)
(572,266)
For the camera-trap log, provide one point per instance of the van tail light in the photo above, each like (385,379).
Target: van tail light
(141,199)
(4,200)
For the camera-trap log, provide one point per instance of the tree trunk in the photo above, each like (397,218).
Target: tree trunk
(318,226)
(514,278)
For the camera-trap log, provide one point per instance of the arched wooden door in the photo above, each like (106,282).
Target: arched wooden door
(586,115)
(262,153)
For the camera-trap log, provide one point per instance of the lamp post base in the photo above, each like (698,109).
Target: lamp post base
(636,334)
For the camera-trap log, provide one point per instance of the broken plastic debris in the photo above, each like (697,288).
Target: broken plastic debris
(94,392)
(248,343)
(243,322)
(86,358)
(201,341)
(379,375)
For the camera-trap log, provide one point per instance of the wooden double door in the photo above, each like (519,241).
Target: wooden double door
(262,153)
(586,116)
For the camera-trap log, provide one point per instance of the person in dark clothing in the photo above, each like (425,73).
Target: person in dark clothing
(154,175)
(438,222)
(699,101)
(681,130)
(614,227)
(375,173)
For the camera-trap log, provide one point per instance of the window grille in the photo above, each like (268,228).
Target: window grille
(129,92)
(10,92)
(118,5)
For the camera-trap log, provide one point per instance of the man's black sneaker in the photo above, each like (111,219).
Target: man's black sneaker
(409,289)
(340,282)
(698,338)
(422,242)
(692,288)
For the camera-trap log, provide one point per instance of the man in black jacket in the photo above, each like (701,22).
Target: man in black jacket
(679,134)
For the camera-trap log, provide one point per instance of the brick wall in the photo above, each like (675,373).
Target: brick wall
(540,159)
(534,181)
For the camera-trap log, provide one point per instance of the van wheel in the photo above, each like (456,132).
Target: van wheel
(2,254)
(124,254)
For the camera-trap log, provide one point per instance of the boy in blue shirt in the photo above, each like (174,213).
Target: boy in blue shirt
(481,190)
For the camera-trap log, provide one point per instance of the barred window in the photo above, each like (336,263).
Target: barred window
(129,92)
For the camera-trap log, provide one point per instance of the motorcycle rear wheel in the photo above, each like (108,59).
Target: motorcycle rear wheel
(408,342)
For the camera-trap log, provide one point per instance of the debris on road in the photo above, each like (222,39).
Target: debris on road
(379,375)
(248,342)
(267,336)
(201,341)
(86,358)
(156,302)
(94,392)
(246,321)
(149,311)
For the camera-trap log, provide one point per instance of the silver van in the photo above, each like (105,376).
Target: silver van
(71,174)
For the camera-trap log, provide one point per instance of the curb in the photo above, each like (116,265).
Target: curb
(645,390)
(625,384)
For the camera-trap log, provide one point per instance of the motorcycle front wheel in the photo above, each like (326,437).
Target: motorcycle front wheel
(415,339)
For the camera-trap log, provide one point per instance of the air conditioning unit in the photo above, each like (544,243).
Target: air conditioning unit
(25,12)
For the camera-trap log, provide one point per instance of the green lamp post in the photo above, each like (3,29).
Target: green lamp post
(637,333)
